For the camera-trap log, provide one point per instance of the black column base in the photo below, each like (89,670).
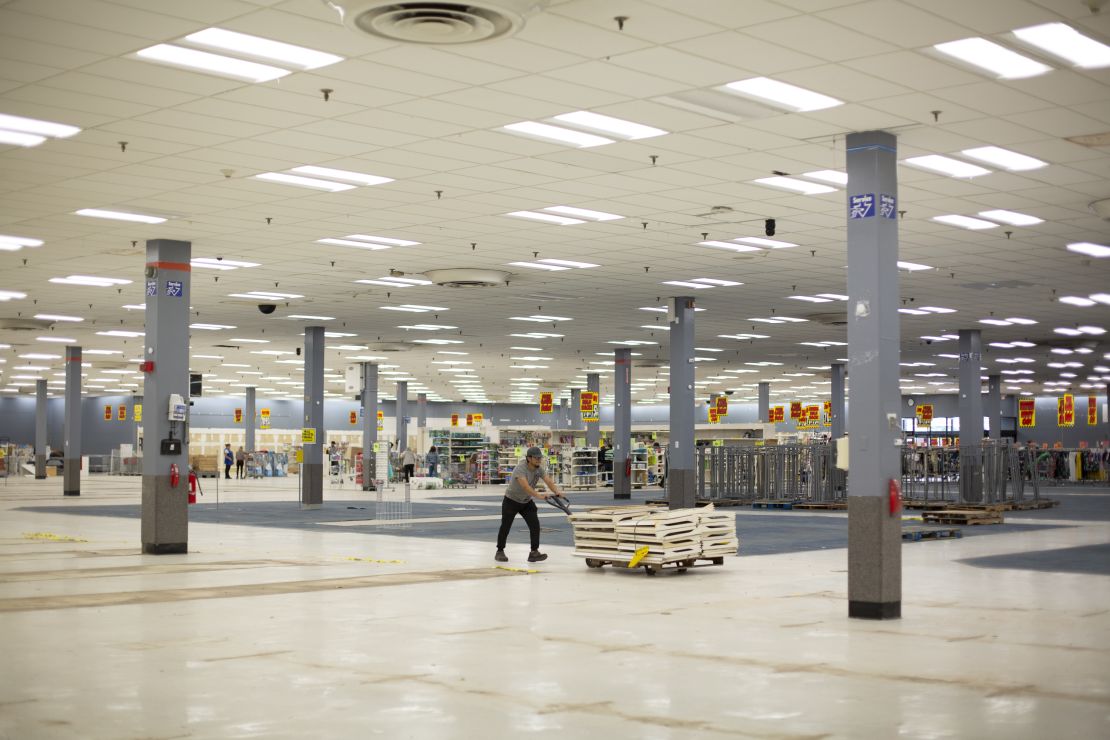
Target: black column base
(165,548)
(875,609)
(40,477)
(622,495)
(71,493)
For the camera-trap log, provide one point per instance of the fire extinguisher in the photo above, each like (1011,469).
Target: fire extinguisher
(192,487)
(175,477)
(894,495)
(628,468)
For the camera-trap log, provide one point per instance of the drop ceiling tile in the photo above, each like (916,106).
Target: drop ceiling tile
(201,11)
(745,137)
(442,63)
(987,16)
(309,147)
(108,17)
(274,99)
(650,22)
(457,115)
(519,55)
(1065,87)
(729,13)
(407,124)
(995,131)
(325,33)
(399,80)
(749,54)
(1059,122)
(31,54)
(70,35)
(156,75)
(458,148)
(103,108)
(569,94)
(217,109)
(676,65)
(372,137)
(896,23)
(584,39)
(925,72)
(610,77)
(822,39)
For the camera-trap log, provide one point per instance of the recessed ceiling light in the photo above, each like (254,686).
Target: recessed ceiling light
(1011,217)
(15,138)
(352,243)
(90,280)
(268,295)
(937,309)
(120,333)
(607,124)
(913,266)
(795,185)
(1004,158)
(308,317)
(1101,297)
(1065,42)
(255,46)
(1020,321)
(809,298)
(1089,249)
(548,217)
(211,263)
(584,213)
(732,246)
(761,241)
(834,176)
(346,175)
(558,134)
(946,166)
(211,327)
(782,94)
(685,284)
(37,128)
(414,308)
(1095,330)
(965,222)
(994,58)
(716,282)
(16,243)
(249,341)
(180,56)
(57,317)
(538,266)
(303,182)
(120,216)
(833,296)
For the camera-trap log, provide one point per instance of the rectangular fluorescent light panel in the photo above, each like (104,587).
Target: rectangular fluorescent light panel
(557,134)
(203,61)
(1004,158)
(946,166)
(211,263)
(732,246)
(782,94)
(15,138)
(548,217)
(584,213)
(90,280)
(836,177)
(994,58)
(346,175)
(913,266)
(1011,217)
(255,46)
(352,243)
(303,182)
(568,263)
(57,317)
(760,241)
(120,216)
(1060,39)
(1089,249)
(795,185)
(307,317)
(608,125)
(684,284)
(716,282)
(965,222)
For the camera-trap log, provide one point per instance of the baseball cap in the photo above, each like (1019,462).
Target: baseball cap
(534,452)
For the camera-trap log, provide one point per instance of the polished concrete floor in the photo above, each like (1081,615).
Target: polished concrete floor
(288,624)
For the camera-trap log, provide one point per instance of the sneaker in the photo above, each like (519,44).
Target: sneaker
(501,557)
(536,556)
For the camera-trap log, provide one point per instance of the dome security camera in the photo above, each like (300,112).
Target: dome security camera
(769,227)
(267,308)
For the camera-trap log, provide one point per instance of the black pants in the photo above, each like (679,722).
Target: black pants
(409,470)
(227,470)
(239,469)
(509,510)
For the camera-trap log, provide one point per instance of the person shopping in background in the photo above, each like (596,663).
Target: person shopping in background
(229,460)
(240,461)
(519,499)
(408,463)
(432,458)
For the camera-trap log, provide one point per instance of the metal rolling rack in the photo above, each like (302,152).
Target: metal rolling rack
(583,468)
(790,472)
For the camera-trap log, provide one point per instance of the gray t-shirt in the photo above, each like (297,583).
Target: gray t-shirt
(515,491)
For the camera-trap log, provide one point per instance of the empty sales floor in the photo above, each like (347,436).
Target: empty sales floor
(342,623)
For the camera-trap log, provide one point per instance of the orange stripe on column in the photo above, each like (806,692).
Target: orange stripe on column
(179,266)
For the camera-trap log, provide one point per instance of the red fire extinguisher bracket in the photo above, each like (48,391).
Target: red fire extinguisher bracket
(894,496)
(175,476)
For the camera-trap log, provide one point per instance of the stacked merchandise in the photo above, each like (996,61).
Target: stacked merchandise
(205,466)
(615,534)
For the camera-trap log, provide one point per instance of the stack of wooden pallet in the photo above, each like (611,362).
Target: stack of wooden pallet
(615,534)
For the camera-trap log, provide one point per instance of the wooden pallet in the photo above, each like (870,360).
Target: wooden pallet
(915,534)
(703,502)
(823,505)
(1044,503)
(962,516)
(926,505)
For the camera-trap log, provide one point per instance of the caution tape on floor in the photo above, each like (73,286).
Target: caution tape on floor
(376,560)
(515,570)
(51,537)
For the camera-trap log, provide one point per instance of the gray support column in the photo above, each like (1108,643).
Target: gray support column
(874,531)
(971,416)
(40,429)
(622,422)
(764,401)
(994,406)
(312,468)
(402,415)
(369,402)
(165,510)
(593,428)
(837,393)
(71,430)
(576,422)
(248,420)
(421,410)
(681,490)
(561,420)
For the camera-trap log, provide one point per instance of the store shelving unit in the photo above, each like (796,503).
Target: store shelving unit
(639,467)
(583,468)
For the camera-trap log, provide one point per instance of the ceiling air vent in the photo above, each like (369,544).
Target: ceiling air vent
(426,22)
(466,277)
(25,324)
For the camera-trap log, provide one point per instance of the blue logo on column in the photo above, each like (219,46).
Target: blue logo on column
(151,288)
(886,206)
(173,288)
(861,206)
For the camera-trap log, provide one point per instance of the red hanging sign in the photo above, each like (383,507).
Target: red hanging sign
(547,403)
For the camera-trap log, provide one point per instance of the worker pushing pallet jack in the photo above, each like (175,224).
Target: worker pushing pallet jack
(520,498)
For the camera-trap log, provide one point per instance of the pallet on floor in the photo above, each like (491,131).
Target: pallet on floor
(962,516)
(822,505)
(915,534)
(926,504)
(775,503)
(1044,503)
